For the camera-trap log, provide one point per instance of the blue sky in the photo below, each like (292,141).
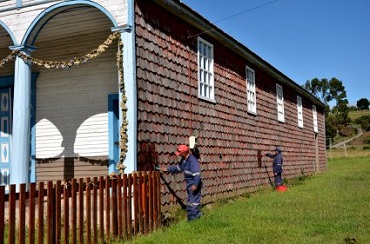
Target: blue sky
(303,39)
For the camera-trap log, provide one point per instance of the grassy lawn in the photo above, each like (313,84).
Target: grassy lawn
(349,152)
(333,207)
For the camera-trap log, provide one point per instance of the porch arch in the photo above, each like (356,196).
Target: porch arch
(6,28)
(43,18)
(41,22)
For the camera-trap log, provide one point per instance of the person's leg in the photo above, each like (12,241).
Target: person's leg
(193,204)
(190,207)
(277,179)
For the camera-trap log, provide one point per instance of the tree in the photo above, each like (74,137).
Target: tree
(326,91)
(330,126)
(364,121)
(363,104)
(318,88)
(352,108)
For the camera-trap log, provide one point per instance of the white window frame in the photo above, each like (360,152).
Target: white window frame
(314,117)
(206,89)
(251,90)
(300,112)
(280,103)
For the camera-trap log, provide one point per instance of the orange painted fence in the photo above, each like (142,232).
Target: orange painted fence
(81,210)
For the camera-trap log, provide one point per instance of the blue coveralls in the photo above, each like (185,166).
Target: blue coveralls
(191,169)
(277,167)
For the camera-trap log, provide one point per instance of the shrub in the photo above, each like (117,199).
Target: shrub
(346,131)
(367,141)
(366,147)
(364,121)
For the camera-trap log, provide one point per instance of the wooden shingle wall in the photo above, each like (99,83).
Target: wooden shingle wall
(169,111)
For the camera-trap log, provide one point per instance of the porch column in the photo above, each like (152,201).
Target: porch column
(129,79)
(20,148)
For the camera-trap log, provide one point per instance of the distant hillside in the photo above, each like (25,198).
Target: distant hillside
(366,136)
(357,114)
(348,134)
(361,140)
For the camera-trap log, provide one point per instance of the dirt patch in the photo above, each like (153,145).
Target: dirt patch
(360,140)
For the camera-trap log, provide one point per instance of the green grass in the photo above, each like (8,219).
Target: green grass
(350,151)
(333,207)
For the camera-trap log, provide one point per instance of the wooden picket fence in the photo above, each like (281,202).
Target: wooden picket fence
(81,210)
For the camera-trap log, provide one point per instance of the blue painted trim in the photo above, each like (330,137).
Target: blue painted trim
(131,13)
(43,18)
(33,128)
(6,81)
(19,3)
(129,66)
(20,155)
(113,131)
(9,32)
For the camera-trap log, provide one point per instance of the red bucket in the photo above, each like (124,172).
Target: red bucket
(281,188)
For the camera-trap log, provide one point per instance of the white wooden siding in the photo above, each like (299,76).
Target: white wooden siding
(72,107)
(18,20)
(7,3)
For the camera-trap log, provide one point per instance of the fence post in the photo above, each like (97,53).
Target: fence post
(126,198)
(101,206)
(2,211)
(57,213)
(150,200)
(88,210)
(74,212)
(107,206)
(129,208)
(2,215)
(158,188)
(119,207)
(146,202)
(66,196)
(81,210)
(95,209)
(114,206)
(136,204)
(22,214)
(50,213)
(40,202)
(31,213)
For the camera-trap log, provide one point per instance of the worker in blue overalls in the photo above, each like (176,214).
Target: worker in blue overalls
(191,168)
(277,166)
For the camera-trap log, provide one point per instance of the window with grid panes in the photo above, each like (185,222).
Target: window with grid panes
(300,111)
(280,103)
(314,115)
(205,70)
(251,91)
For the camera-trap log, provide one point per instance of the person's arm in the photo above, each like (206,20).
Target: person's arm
(172,168)
(270,155)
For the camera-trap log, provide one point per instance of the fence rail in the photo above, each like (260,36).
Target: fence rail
(81,210)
